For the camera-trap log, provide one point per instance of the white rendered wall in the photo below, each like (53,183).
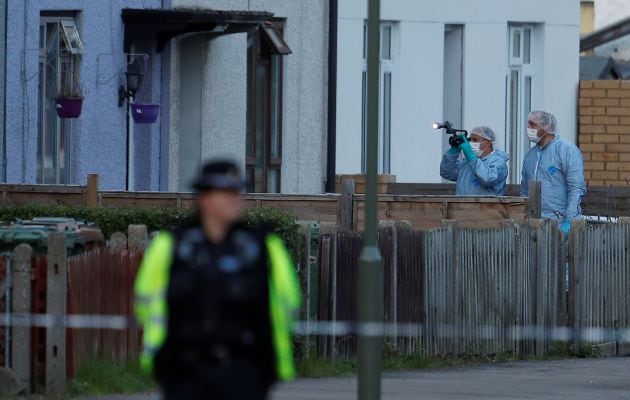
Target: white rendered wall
(418,81)
(608,12)
(305,89)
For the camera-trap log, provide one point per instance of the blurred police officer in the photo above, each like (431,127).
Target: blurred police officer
(216,298)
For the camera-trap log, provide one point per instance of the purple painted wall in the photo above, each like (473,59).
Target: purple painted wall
(99,135)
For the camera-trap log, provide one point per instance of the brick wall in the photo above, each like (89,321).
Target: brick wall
(604,133)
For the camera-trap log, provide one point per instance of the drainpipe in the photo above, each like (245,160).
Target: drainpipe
(4,8)
(333,10)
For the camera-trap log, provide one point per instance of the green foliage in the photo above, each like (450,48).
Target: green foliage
(281,222)
(317,367)
(108,219)
(112,219)
(104,377)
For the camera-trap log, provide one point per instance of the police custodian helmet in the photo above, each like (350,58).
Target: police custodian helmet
(220,175)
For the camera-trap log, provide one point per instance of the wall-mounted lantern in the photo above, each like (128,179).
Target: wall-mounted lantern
(134,77)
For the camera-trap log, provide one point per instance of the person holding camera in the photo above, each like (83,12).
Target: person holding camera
(475,165)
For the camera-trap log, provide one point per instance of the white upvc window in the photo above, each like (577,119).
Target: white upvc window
(71,37)
(520,82)
(59,51)
(387,59)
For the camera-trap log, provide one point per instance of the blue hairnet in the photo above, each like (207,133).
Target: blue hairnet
(485,132)
(545,120)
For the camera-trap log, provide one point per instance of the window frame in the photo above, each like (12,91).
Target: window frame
(263,53)
(63,129)
(386,67)
(516,141)
(68,27)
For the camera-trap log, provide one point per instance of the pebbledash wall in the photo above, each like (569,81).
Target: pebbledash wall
(604,138)
(216,125)
(98,143)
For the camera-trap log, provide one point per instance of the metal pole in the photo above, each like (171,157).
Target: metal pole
(331,168)
(370,289)
(7,303)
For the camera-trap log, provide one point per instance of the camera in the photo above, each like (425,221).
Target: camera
(455,140)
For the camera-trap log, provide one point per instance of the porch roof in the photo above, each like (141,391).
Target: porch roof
(168,24)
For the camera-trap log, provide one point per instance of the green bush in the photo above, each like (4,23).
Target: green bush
(111,219)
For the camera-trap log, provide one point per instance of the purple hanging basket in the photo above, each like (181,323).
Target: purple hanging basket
(69,107)
(145,113)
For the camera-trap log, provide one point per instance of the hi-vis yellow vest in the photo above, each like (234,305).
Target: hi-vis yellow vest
(151,306)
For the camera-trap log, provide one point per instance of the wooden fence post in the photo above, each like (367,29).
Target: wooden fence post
(138,237)
(576,258)
(346,205)
(91,195)
(539,273)
(56,295)
(21,344)
(534,204)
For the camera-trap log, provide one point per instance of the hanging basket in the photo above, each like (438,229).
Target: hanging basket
(69,107)
(145,113)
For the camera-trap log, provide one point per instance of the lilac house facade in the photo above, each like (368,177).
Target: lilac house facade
(221,72)
(42,148)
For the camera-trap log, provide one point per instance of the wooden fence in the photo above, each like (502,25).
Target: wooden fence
(97,281)
(605,201)
(481,291)
(345,209)
(100,282)
(472,290)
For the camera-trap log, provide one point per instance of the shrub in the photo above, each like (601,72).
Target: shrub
(112,219)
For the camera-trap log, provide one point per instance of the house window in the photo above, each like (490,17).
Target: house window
(519,88)
(385,97)
(59,49)
(266,47)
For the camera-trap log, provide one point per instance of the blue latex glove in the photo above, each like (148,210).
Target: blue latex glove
(565,227)
(468,151)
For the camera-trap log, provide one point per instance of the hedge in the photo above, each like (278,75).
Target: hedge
(112,219)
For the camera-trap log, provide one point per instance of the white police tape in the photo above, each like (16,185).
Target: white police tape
(345,328)
(72,321)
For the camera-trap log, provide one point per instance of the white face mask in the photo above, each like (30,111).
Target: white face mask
(532,135)
(476,148)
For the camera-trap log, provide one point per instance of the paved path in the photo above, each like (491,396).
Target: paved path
(581,379)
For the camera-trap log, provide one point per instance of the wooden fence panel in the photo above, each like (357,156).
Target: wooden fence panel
(143,199)
(100,282)
(474,291)
(410,301)
(42,194)
(348,252)
(601,284)
(427,212)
